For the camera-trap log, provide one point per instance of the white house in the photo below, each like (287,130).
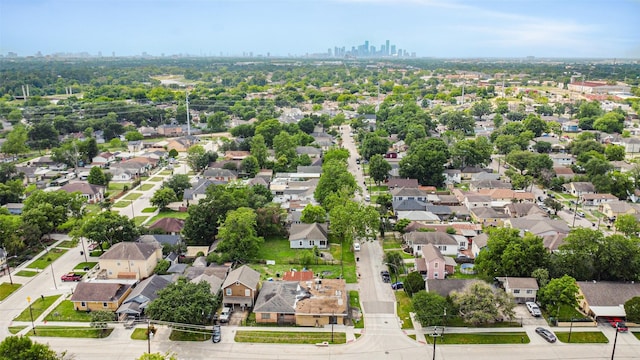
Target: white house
(307,236)
(446,243)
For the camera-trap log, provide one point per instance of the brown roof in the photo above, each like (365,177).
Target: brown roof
(327,297)
(83,187)
(408,183)
(304,275)
(604,293)
(104,292)
(129,251)
(170,225)
(430,253)
(562,170)
(521,283)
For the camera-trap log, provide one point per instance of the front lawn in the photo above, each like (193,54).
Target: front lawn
(121,204)
(16,329)
(584,337)
(146,187)
(26,273)
(71,332)
(286,337)
(404,308)
(83,265)
(47,258)
(354,302)
(119,185)
(138,220)
(66,312)
(391,244)
(165,172)
(155,179)
(149,210)
(7,289)
(566,313)
(132,196)
(189,335)
(139,334)
(38,306)
(169,214)
(68,244)
(481,338)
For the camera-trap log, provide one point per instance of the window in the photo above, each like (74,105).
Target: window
(435,265)
(118,263)
(83,304)
(266,316)
(312,243)
(247,292)
(104,304)
(516,291)
(228,291)
(300,243)
(529,291)
(323,243)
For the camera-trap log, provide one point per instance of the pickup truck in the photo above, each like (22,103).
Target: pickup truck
(71,277)
(225,314)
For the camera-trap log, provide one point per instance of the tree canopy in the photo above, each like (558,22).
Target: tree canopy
(184,302)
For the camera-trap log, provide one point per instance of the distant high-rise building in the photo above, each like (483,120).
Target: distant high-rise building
(393,50)
(386,47)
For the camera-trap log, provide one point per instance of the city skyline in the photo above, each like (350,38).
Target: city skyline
(428,28)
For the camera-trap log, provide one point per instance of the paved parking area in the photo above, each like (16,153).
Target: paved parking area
(523,316)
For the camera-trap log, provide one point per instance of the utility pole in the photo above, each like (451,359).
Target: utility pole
(188,119)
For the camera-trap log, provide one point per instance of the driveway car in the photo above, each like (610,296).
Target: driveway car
(533,309)
(71,277)
(397,286)
(225,314)
(216,336)
(622,327)
(546,334)
(386,278)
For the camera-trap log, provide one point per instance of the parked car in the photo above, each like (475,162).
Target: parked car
(386,278)
(580,213)
(71,277)
(546,334)
(617,322)
(356,246)
(225,314)
(533,308)
(397,286)
(216,336)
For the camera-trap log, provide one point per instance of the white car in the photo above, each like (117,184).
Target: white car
(533,309)
(356,246)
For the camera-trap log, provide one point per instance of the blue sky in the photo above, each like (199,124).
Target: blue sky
(438,28)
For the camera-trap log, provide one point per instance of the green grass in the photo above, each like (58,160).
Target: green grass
(38,306)
(7,289)
(47,258)
(566,313)
(138,220)
(178,335)
(354,302)
(92,208)
(68,244)
(636,334)
(155,179)
(132,196)
(26,273)
(165,172)
(413,336)
(286,337)
(146,187)
(71,332)
(149,210)
(586,337)
(139,334)
(481,338)
(16,329)
(378,188)
(66,312)
(82,265)
(121,204)
(390,244)
(404,308)
(118,185)
(169,214)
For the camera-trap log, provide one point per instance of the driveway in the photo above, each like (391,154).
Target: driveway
(524,317)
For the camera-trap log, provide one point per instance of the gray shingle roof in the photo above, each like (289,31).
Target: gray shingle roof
(244,275)
(98,291)
(129,251)
(277,297)
(313,231)
(604,293)
(436,238)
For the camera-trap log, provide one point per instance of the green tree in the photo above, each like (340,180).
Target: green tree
(632,309)
(313,214)
(379,168)
(157,356)
(481,108)
(109,227)
(250,165)
(16,142)
(541,275)
(238,236)
(481,304)
(178,183)
(162,267)
(133,136)
(395,262)
(615,152)
(458,120)
(198,158)
(269,129)
(173,153)
(536,125)
(163,197)
(97,176)
(23,348)
(611,122)
(627,224)
(413,283)
(471,152)
(373,144)
(183,302)
(429,308)
(509,254)
(425,162)
(270,220)
(335,176)
(259,150)
(559,292)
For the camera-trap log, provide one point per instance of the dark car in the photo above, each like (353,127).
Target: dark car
(71,277)
(546,334)
(616,322)
(216,336)
(385,276)
(397,286)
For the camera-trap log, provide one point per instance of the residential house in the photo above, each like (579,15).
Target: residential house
(564,172)
(538,225)
(487,216)
(478,243)
(570,127)
(134,146)
(312,152)
(604,298)
(616,208)
(446,243)
(171,226)
(240,288)
(631,145)
(198,191)
(117,174)
(223,175)
(91,296)
(409,205)
(402,193)
(103,159)
(220,271)
(136,166)
(523,209)
(475,200)
(144,293)
(215,282)
(309,170)
(423,216)
(293,275)
(596,199)
(14,208)
(523,289)
(435,264)
(468,172)
(562,159)
(129,260)
(402,183)
(180,145)
(326,304)
(93,193)
(485,176)
(441,211)
(452,176)
(488,184)
(579,188)
(447,287)
(159,240)
(308,236)
(276,303)
(169,130)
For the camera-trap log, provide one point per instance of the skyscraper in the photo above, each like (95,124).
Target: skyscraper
(386,48)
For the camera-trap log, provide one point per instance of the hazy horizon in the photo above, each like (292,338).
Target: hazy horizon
(428,28)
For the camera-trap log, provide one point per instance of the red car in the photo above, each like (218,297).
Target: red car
(619,323)
(71,277)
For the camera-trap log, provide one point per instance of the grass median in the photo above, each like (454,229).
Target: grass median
(71,332)
(481,338)
(26,273)
(46,259)
(38,306)
(7,289)
(289,337)
(582,337)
